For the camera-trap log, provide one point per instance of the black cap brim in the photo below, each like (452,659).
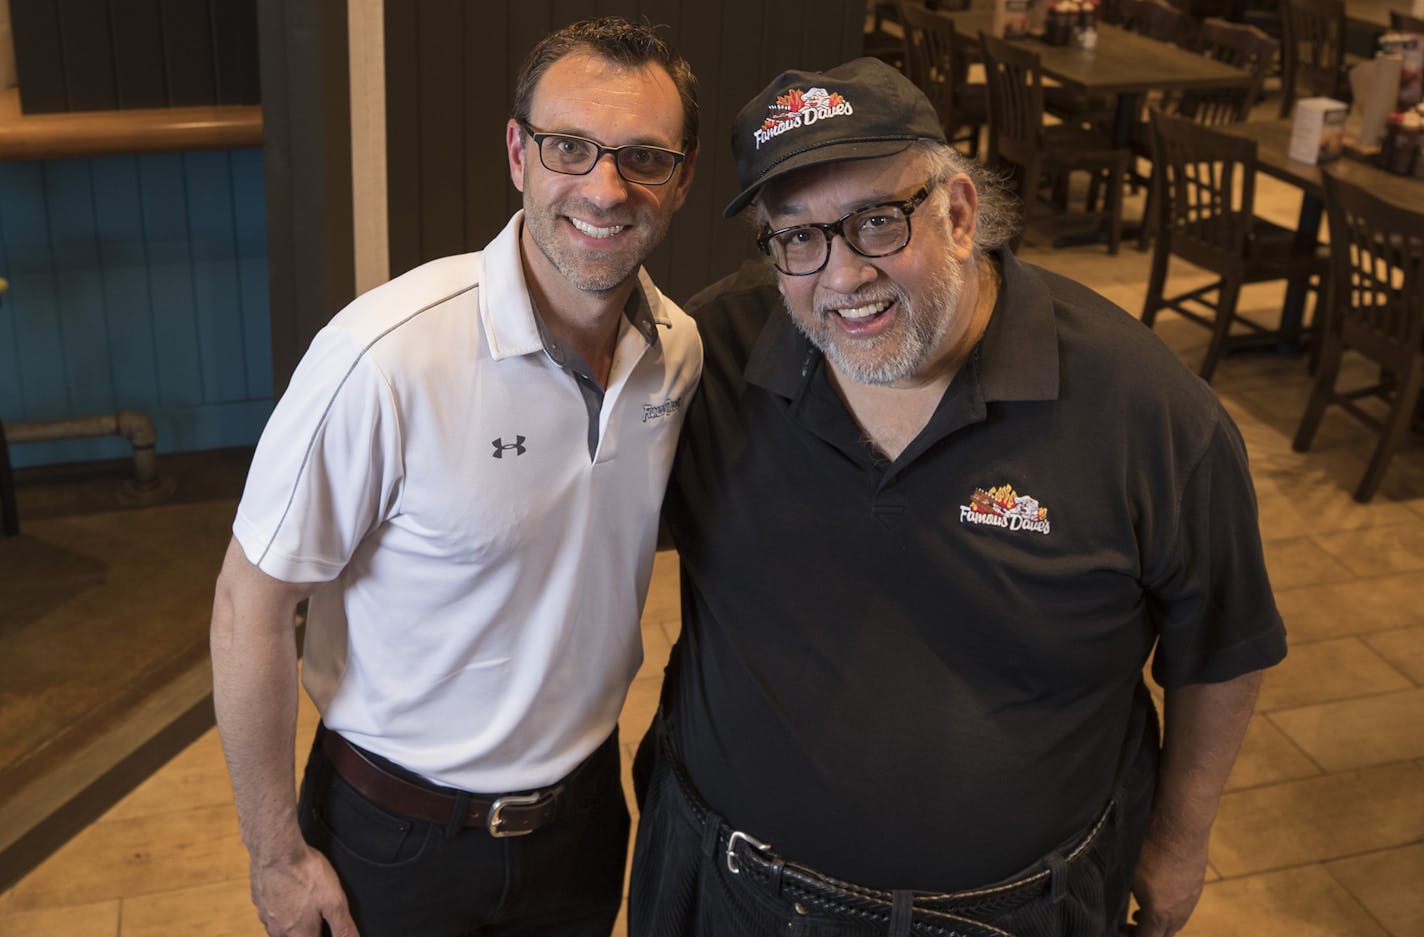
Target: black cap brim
(837,152)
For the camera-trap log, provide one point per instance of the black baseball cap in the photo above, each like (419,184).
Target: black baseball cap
(858,110)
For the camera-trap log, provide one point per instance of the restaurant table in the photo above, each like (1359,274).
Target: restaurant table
(1272,139)
(1122,63)
(1365,22)
(1373,14)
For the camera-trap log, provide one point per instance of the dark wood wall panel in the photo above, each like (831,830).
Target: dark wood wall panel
(235,51)
(138,55)
(39,56)
(82,55)
(306,125)
(88,56)
(449,84)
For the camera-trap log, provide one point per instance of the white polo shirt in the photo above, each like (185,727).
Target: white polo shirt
(486,553)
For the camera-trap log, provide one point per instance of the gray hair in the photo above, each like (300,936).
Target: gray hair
(998,221)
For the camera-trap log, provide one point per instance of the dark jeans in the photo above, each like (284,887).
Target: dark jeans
(406,877)
(682,885)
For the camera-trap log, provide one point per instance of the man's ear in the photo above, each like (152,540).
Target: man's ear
(518,149)
(963,213)
(684,178)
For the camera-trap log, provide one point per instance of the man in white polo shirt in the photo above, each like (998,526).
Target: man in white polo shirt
(464,475)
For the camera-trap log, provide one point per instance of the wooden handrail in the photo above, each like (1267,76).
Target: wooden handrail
(101,133)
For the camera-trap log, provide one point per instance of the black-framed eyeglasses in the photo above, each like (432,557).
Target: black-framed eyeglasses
(875,231)
(576,156)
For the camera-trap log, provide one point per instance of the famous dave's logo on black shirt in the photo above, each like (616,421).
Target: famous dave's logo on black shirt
(1004,507)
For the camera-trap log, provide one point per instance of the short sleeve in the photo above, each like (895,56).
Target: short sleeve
(1211,598)
(328,467)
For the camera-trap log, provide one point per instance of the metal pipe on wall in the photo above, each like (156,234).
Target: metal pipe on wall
(133,425)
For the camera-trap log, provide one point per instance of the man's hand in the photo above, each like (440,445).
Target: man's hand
(1167,884)
(293,898)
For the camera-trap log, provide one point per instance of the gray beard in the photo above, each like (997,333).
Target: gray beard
(925,324)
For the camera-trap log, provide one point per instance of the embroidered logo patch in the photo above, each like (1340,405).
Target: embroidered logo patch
(797,108)
(1004,507)
(666,408)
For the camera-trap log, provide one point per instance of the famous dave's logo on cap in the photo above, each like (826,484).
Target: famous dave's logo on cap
(1004,507)
(797,108)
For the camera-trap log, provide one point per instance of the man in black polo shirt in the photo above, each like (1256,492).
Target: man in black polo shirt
(935,508)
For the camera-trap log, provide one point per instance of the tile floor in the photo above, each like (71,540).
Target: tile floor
(1321,831)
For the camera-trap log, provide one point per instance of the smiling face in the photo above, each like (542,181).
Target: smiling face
(896,320)
(594,231)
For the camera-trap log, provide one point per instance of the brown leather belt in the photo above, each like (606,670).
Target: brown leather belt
(510,815)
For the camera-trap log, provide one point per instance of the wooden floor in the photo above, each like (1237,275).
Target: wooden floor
(1321,831)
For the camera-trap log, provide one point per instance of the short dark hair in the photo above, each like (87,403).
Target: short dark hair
(627,44)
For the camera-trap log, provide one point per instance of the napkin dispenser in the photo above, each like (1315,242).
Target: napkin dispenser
(1375,88)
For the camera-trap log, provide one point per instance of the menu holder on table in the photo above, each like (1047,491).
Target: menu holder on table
(1011,18)
(1318,133)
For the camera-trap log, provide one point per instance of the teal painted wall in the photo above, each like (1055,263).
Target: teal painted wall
(136,282)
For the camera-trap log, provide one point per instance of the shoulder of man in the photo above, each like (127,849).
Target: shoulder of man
(417,290)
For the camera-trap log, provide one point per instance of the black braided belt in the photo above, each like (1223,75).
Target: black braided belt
(937,914)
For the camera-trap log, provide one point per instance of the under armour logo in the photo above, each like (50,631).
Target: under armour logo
(500,446)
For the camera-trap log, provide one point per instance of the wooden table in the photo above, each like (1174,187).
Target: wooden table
(1272,138)
(1373,14)
(1124,64)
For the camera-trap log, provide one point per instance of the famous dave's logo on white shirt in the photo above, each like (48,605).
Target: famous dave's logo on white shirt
(1004,507)
(797,108)
(657,411)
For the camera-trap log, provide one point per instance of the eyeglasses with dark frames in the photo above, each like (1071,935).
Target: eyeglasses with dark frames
(576,156)
(875,231)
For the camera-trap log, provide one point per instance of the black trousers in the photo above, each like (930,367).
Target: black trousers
(405,877)
(693,876)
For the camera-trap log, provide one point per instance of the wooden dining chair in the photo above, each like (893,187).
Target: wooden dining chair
(1313,51)
(1155,19)
(879,42)
(1242,46)
(1204,192)
(1375,309)
(1018,136)
(1238,44)
(933,62)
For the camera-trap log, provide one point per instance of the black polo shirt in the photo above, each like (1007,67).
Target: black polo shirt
(922,673)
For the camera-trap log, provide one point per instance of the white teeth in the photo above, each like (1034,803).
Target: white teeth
(865,311)
(593,232)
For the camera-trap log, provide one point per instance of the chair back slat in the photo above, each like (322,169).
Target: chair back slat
(933,63)
(1377,273)
(1155,19)
(1313,55)
(1205,190)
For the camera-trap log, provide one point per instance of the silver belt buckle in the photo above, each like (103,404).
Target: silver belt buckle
(751,841)
(496,814)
